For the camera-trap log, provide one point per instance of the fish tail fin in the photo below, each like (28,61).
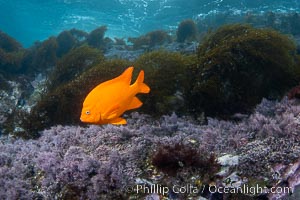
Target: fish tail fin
(142,87)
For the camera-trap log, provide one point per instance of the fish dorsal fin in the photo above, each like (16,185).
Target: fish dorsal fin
(135,103)
(124,77)
(118,121)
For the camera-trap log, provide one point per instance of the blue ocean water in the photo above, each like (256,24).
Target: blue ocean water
(32,20)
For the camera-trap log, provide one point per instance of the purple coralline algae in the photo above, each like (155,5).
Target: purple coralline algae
(101,162)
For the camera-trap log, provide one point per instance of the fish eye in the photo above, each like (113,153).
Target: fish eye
(87,112)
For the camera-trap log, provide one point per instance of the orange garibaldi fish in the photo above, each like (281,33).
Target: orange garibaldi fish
(109,100)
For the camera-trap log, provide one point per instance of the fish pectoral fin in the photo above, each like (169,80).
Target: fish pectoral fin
(118,120)
(111,112)
(135,103)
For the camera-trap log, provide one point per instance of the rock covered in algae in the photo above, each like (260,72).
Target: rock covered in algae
(238,65)
(103,160)
(167,77)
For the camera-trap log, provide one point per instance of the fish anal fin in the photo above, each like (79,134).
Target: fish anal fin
(118,121)
(135,103)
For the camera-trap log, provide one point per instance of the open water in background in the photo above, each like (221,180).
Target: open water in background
(32,20)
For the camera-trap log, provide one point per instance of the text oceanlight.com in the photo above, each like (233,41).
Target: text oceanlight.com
(191,189)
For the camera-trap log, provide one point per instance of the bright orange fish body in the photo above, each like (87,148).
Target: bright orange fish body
(109,100)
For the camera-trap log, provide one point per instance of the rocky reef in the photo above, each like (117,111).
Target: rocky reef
(238,65)
(227,73)
(97,162)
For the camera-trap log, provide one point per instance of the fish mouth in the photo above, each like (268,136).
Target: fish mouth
(81,119)
(86,119)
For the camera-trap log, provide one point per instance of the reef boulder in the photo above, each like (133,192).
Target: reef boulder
(237,66)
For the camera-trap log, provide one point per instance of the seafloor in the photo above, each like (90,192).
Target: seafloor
(172,155)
